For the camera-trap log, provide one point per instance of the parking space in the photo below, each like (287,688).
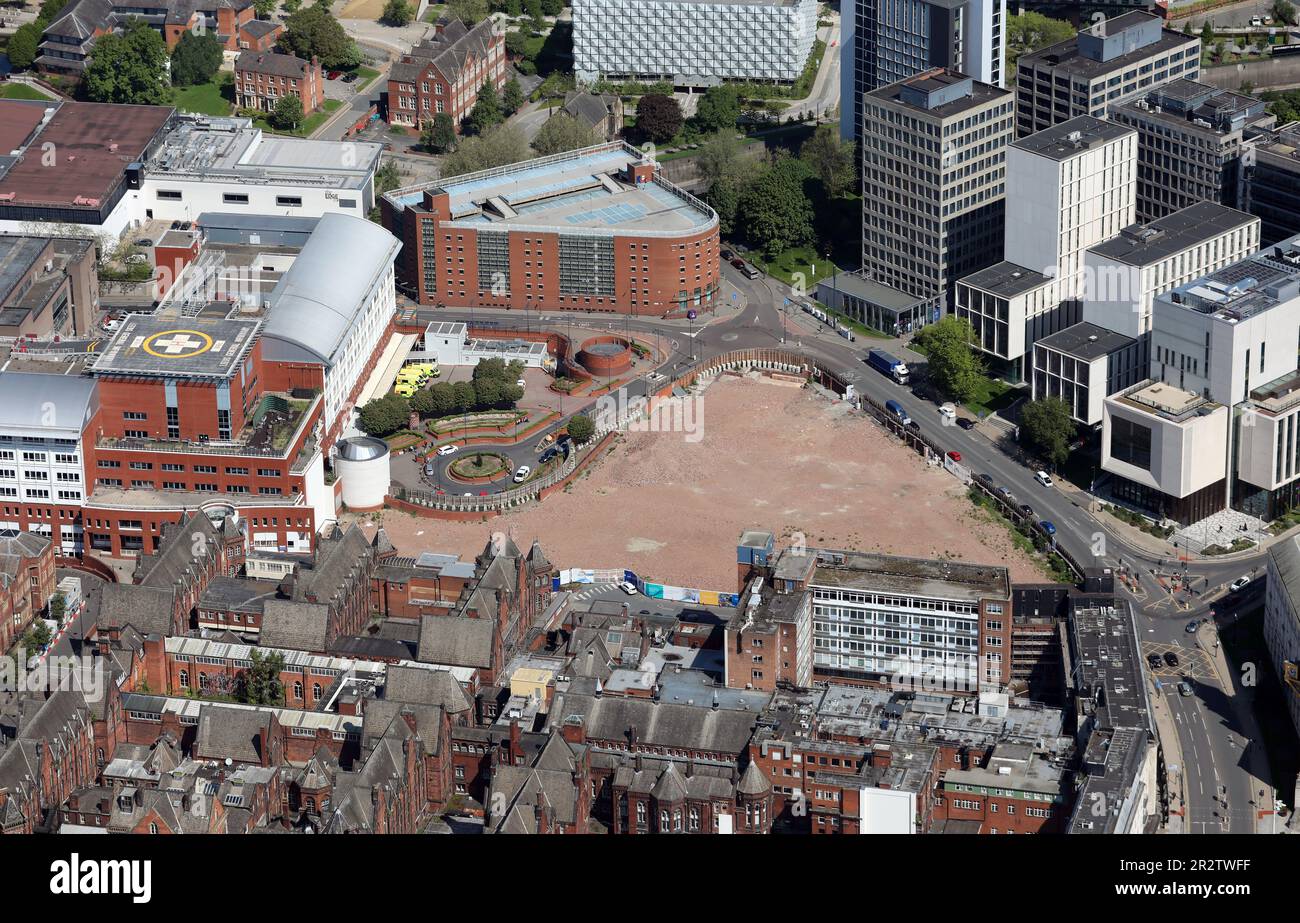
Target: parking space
(1193,663)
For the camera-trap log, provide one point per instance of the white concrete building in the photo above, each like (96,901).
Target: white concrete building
(1068,187)
(693,42)
(449,343)
(1123,275)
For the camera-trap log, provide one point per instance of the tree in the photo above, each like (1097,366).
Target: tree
(384,415)
(129,67)
(38,635)
(830,159)
(313,31)
(955,367)
(24,43)
(718,109)
(470,12)
(397,13)
(494,385)
(387,177)
(773,208)
(261,682)
(1207,34)
(195,59)
(562,132)
(495,148)
(1032,31)
(724,197)
(463,396)
(439,135)
(658,118)
(1046,427)
(552,7)
(58,607)
(50,9)
(580,428)
(512,95)
(719,156)
(288,114)
(534,10)
(516,43)
(1284,11)
(486,111)
(263,9)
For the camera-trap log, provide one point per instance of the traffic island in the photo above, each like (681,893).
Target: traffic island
(478,468)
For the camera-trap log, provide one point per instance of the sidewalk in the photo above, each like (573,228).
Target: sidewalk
(1167,731)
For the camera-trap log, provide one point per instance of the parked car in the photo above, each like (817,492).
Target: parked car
(1239,584)
(727,255)
(1185,688)
(1042,477)
(429,468)
(985,479)
(628,588)
(1153,661)
(1006,494)
(522,474)
(449,449)
(334,75)
(965,423)
(948,411)
(1171,659)
(521,383)
(914,426)
(1026,510)
(350,77)
(1048,527)
(738,263)
(955,455)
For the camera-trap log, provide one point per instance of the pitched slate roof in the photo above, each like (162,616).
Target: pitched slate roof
(272,63)
(753,782)
(235,733)
(298,626)
(456,641)
(447,52)
(425,687)
(148,609)
(661,724)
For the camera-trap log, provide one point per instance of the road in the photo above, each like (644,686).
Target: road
(1238,14)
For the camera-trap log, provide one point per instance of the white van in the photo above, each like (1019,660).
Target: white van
(1042,477)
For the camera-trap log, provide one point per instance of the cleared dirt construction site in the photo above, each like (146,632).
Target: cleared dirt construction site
(762,454)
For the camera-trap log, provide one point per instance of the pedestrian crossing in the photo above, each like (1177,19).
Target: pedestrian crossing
(595,589)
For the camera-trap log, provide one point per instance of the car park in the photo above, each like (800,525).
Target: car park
(1042,477)
(1171,659)
(449,449)
(522,474)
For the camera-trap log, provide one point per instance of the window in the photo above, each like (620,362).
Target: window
(173,195)
(235,198)
(288,201)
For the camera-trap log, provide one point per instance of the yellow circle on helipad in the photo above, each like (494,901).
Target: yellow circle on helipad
(177,344)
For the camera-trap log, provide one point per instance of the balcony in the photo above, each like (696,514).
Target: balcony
(274,426)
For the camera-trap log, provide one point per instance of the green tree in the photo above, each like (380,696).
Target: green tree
(487,110)
(58,607)
(724,197)
(1046,428)
(773,208)
(580,428)
(261,682)
(512,95)
(195,59)
(1207,34)
(516,43)
(50,9)
(552,7)
(470,12)
(562,132)
(24,43)
(534,10)
(439,135)
(1032,31)
(397,13)
(387,177)
(658,118)
(313,31)
(464,396)
(37,636)
(1284,11)
(954,366)
(442,399)
(831,160)
(288,114)
(497,147)
(263,9)
(129,67)
(718,109)
(384,415)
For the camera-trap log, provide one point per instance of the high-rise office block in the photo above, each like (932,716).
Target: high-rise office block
(885,41)
(1190,137)
(1102,66)
(1070,187)
(1270,180)
(934,179)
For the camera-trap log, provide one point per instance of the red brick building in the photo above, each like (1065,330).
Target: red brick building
(52,755)
(263,78)
(596,229)
(26,582)
(445,74)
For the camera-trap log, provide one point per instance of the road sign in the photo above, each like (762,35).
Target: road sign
(691,315)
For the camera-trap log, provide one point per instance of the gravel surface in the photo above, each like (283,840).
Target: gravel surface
(671,505)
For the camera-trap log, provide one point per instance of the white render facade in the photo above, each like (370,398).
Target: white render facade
(693,42)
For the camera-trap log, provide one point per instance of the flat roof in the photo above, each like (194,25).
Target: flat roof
(1072,138)
(910,576)
(1246,288)
(575,191)
(18,121)
(93,143)
(1143,245)
(1085,341)
(1005,279)
(162,346)
(929,82)
(1164,400)
(1068,58)
(870,291)
(201,148)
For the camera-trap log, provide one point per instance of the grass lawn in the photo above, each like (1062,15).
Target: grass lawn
(992,394)
(310,124)
(436,12)
(213,98)
(365,77)
(804,260)
(20,91)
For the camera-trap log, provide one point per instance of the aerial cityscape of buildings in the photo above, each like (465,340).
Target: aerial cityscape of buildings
(355,468)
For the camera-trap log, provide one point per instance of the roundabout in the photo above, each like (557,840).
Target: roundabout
(479,468)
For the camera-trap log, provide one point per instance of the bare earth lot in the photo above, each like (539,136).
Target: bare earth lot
(772,457)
